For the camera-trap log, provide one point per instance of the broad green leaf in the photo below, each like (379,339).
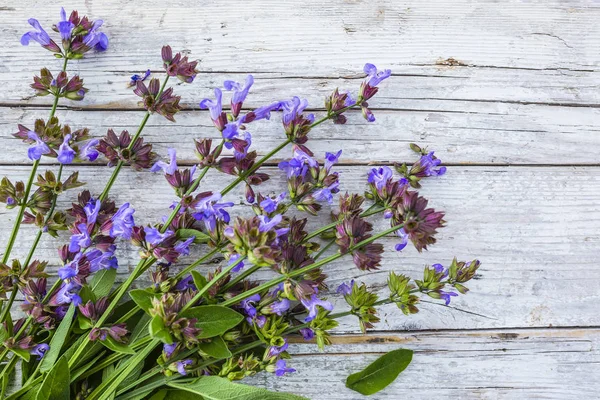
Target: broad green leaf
(175,395)
(84,323)
(86,294)
(24,354)
(199,280)
(215,388)
(142,298)
(199,237)
(58,340)
(113,345)
(3,333)
(213,320)
(380,373)
(216,348)
(103,281)
(56,385)
(159,331)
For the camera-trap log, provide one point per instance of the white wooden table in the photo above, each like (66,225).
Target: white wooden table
(507,93)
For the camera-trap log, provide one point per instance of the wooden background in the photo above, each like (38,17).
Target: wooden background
(506,92)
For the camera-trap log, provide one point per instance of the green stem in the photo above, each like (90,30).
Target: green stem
(34,167)
(242,276)
(308,268)
(6,310)
(199,261)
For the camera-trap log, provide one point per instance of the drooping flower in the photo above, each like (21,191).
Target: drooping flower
(208,210)
(216,109)
(279,307)
(345,288)
(403,239)
(40,350)
(181,366)
(427,166)
(88,150)
(239,93)
(36,151)
(447,296)
(299,164)
(312,304)
(263,112)
(66,154)
(40,36)
(169,168)
(122,222)
(154,236)
(135,78)
(234,259)
(269,204)
(80,238)
(369,87)
(282,369)
(102,259)
(275,351)
(331,159)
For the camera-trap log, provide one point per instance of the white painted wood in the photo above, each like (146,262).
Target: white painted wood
(535,230)
(498,83)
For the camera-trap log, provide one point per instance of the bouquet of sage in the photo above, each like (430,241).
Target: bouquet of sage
(82,335)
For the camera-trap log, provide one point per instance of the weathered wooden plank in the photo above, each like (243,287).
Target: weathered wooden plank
(519,364)
(521,134)
(338,36)
(535,229)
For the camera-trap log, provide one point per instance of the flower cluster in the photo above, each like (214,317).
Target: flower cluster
(60,86)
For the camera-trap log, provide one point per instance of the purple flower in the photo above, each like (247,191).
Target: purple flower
(68,293)
(185,284)
(169,349)
(80,239)
(403,239)
(95,39)
(428,164)
(239,93)
(233,259)
(183,248)
(36,150)
(307,333)
(331,159)
(209,211)
(267,224)
(154,237)
(368,114)
(345,288)
(281,368)
(122,222)
(181,366)
(169,168)
(39,35)
(326,193)
(374,77)
(293,108)
(439,269)
(269,205)
(102,260)
(65,27)
(380,176)
(279,307)
(263,112)
(137,78)
(39,350)
(216,109)
(311,305)
(299,164)
(91,209)
(89,151)
(275,351)
(66,154)
(68,271)
(446,296)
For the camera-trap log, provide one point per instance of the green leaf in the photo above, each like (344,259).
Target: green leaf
(215,388)
(213,320)
(175,395)
(56,385)
(141,329)
(103,281)
(58,340)
(199,280)
(199,237)
(113,345)
(86,294)
(24,354)
(106,374)
(142,298)
(79,371)
(380,373)
(159,331)
(216,348)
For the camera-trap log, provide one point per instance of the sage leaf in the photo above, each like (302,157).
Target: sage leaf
(380,373)
(58,340)
(216,348)
(103,281)
(159,331)
(142,298)
(199,280)
(118,347)
(56,385)
(213,320)
(199,237)
(215,388)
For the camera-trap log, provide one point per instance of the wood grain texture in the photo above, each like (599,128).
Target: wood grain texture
(507,93)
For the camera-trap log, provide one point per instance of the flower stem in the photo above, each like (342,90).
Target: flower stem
(308,268)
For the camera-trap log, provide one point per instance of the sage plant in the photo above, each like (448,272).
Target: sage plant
(87,337)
